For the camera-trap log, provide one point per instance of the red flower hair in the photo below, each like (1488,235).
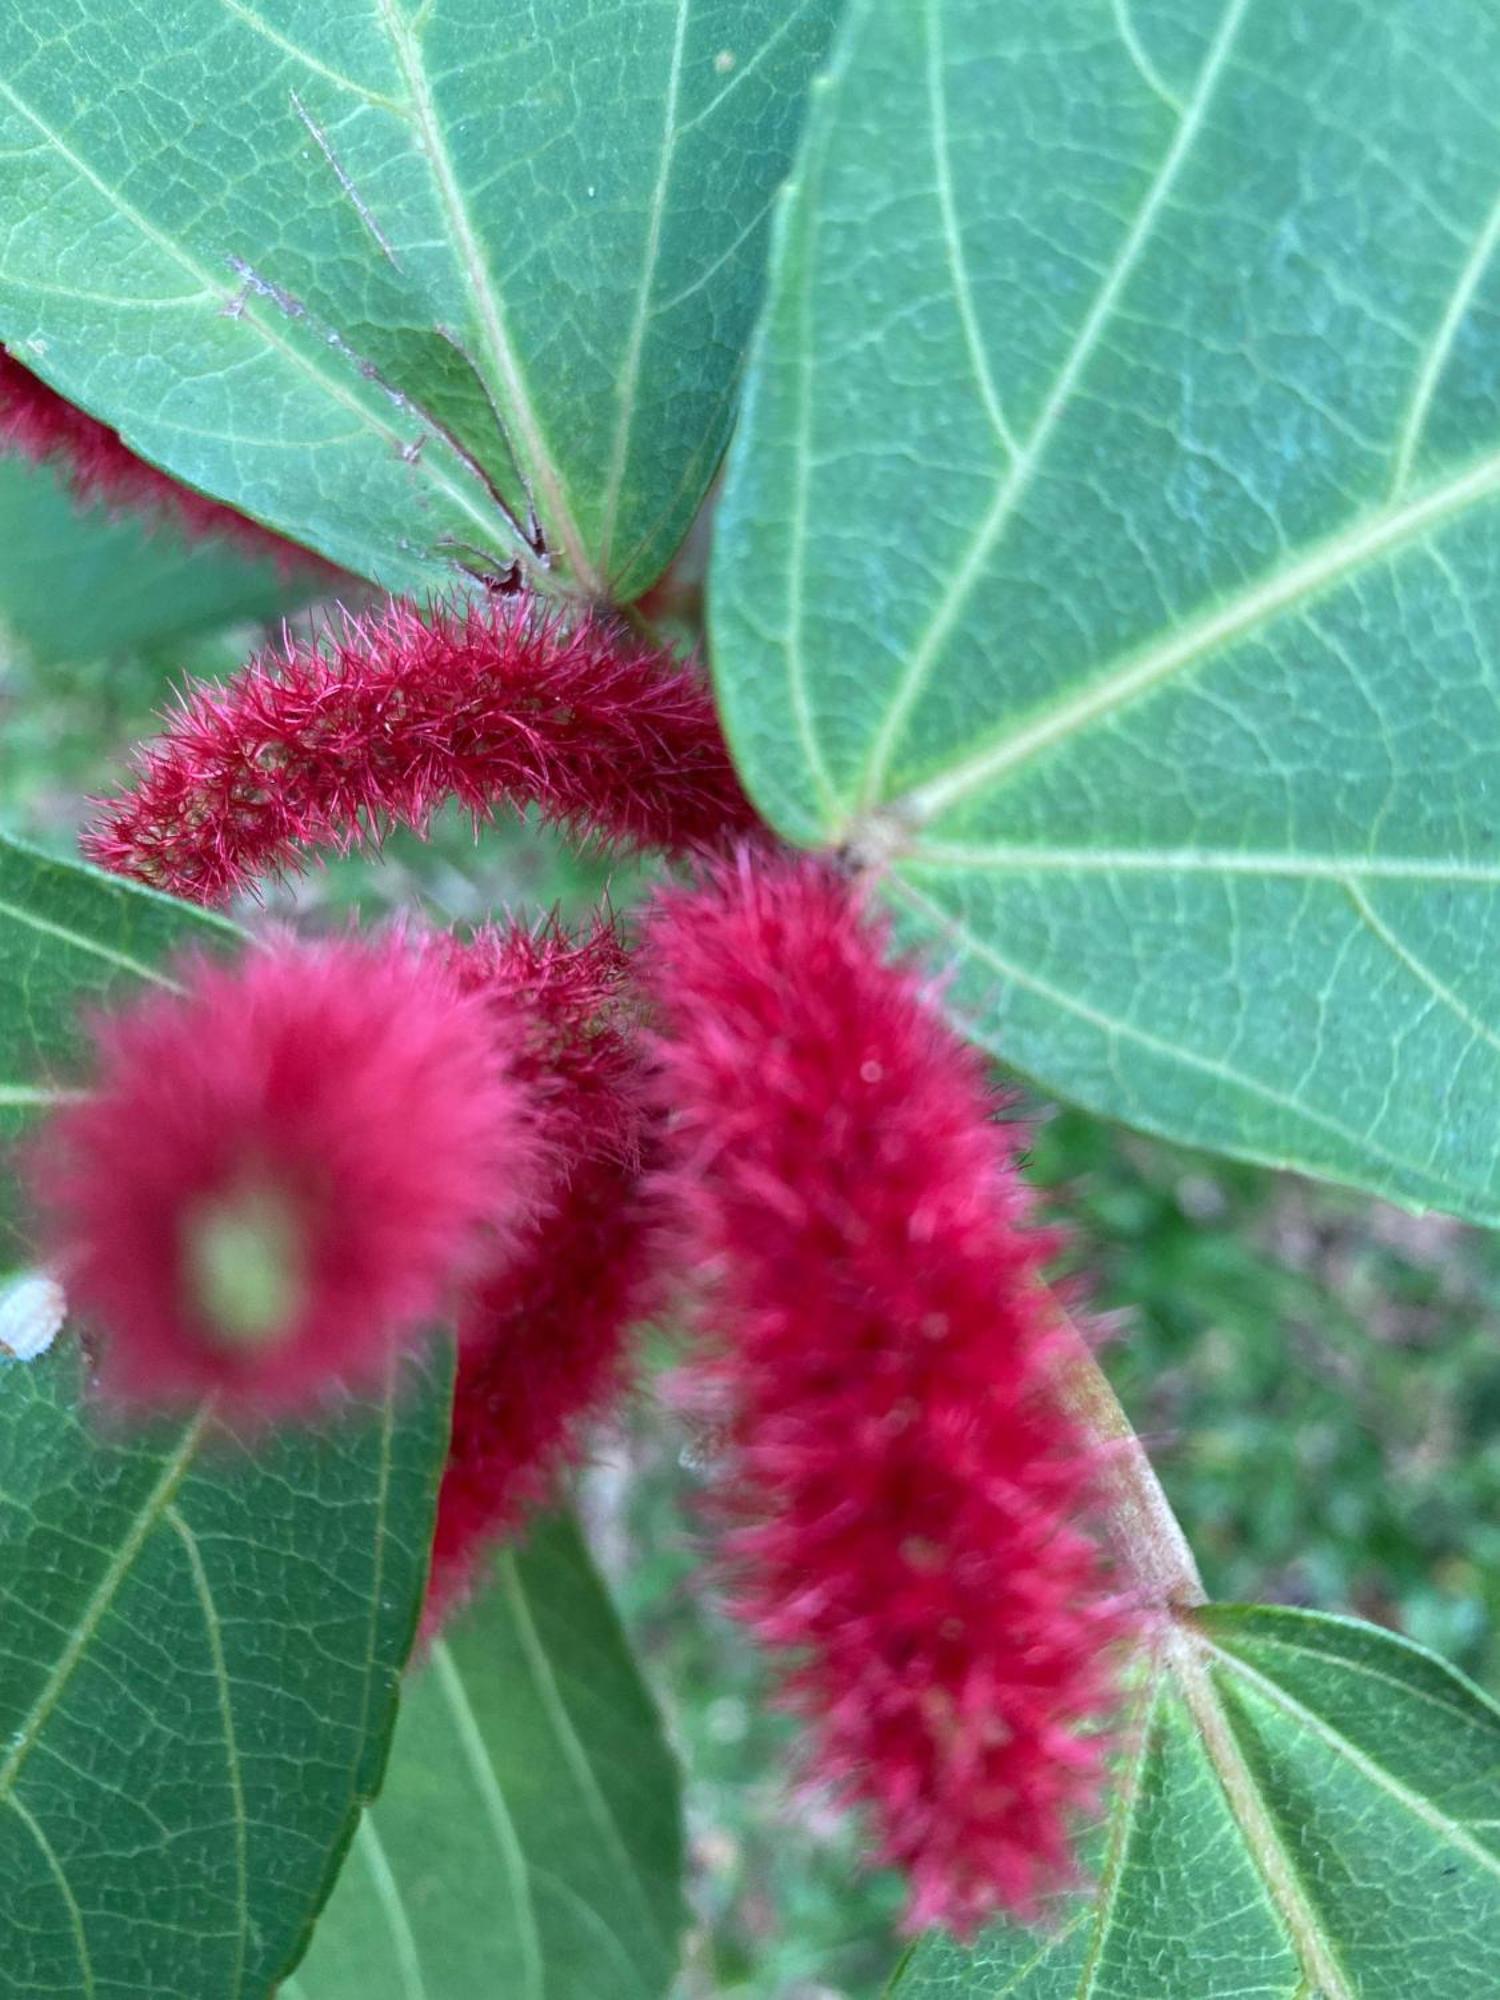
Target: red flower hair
(496,704)
(904,1492)
(542,1337)
(281,1169)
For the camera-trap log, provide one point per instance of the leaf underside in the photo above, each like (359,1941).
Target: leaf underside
(527,1839)
(200,1639)
(1110,553)
(1311,1811)
(389,275)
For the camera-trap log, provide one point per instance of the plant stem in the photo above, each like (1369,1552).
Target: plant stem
(1147,1539)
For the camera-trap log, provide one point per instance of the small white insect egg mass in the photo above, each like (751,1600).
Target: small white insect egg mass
(33,1307)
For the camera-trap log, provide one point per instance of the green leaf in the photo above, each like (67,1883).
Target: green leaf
(385,275)
(1109,550)
(527,1839)
(200,1639)
(70,936)
(76,584)
(1312,1812)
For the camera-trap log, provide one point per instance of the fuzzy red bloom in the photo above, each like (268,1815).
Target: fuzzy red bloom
(904,1493)
(41,425)
(497,704)
(542,1341)
(281,1169)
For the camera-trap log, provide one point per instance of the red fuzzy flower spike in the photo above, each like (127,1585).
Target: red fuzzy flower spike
(497,704)
(40,425)
(282,1168)
(542,1341)
(904,1493)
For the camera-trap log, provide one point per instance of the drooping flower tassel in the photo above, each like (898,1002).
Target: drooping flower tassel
(905,1498)
(283,1169)
(499,704)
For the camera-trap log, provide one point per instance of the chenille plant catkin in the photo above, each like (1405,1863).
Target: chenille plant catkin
(905,1503)
(543,1336)
(282,1169)
(500,704)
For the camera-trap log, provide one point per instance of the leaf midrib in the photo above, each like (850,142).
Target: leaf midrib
(479,283)
(938,919)
(1284,1886)
(148,1516)
(1125,681)
(1452,1831)
(249,313)
(1012,488)
(544,1679)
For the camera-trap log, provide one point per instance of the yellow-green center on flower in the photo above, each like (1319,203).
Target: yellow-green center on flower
(242,1268)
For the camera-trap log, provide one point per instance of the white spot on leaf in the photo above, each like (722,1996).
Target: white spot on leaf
(33,1307)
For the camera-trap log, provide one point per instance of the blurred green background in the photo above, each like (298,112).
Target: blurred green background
(1318,1375)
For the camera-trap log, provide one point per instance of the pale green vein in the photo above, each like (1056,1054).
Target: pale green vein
(247,310)
(64,1889)
(1111,1027)
(628,379)
(1322,569)
(963,287)
(1284,1885)
(573,1751)
(1011,490)
(34,1096)
(982,858)
(1419,969)
(1455,1832)
(303,57)
(15,913)
(471,1740)
(377,1580)
(743,71)
(1119,1844)
(1346,1663)
(1150,74)
(215,1632)
(393,1908)
(1436,358)
(1042,1953)
(146,1520)
(480,284)
(797,527)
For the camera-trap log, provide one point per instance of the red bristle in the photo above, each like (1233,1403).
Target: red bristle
(542,1340)
(341,1115)
(498,704)
(906,1498)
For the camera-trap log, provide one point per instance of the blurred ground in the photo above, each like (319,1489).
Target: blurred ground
(1318,1377)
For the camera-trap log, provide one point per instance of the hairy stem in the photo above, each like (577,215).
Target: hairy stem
(1144,1533)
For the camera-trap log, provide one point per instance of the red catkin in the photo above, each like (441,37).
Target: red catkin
(38,424)
(281,1170)
(542,1338)
(498,704)
(904,1496)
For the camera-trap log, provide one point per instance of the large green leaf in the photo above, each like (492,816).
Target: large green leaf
(379,272)
(1111,548)
(1312,1813)
(76,584)
(200,1639)
(526,1842)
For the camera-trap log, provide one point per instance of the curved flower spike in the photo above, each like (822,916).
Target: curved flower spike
(905,1497)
